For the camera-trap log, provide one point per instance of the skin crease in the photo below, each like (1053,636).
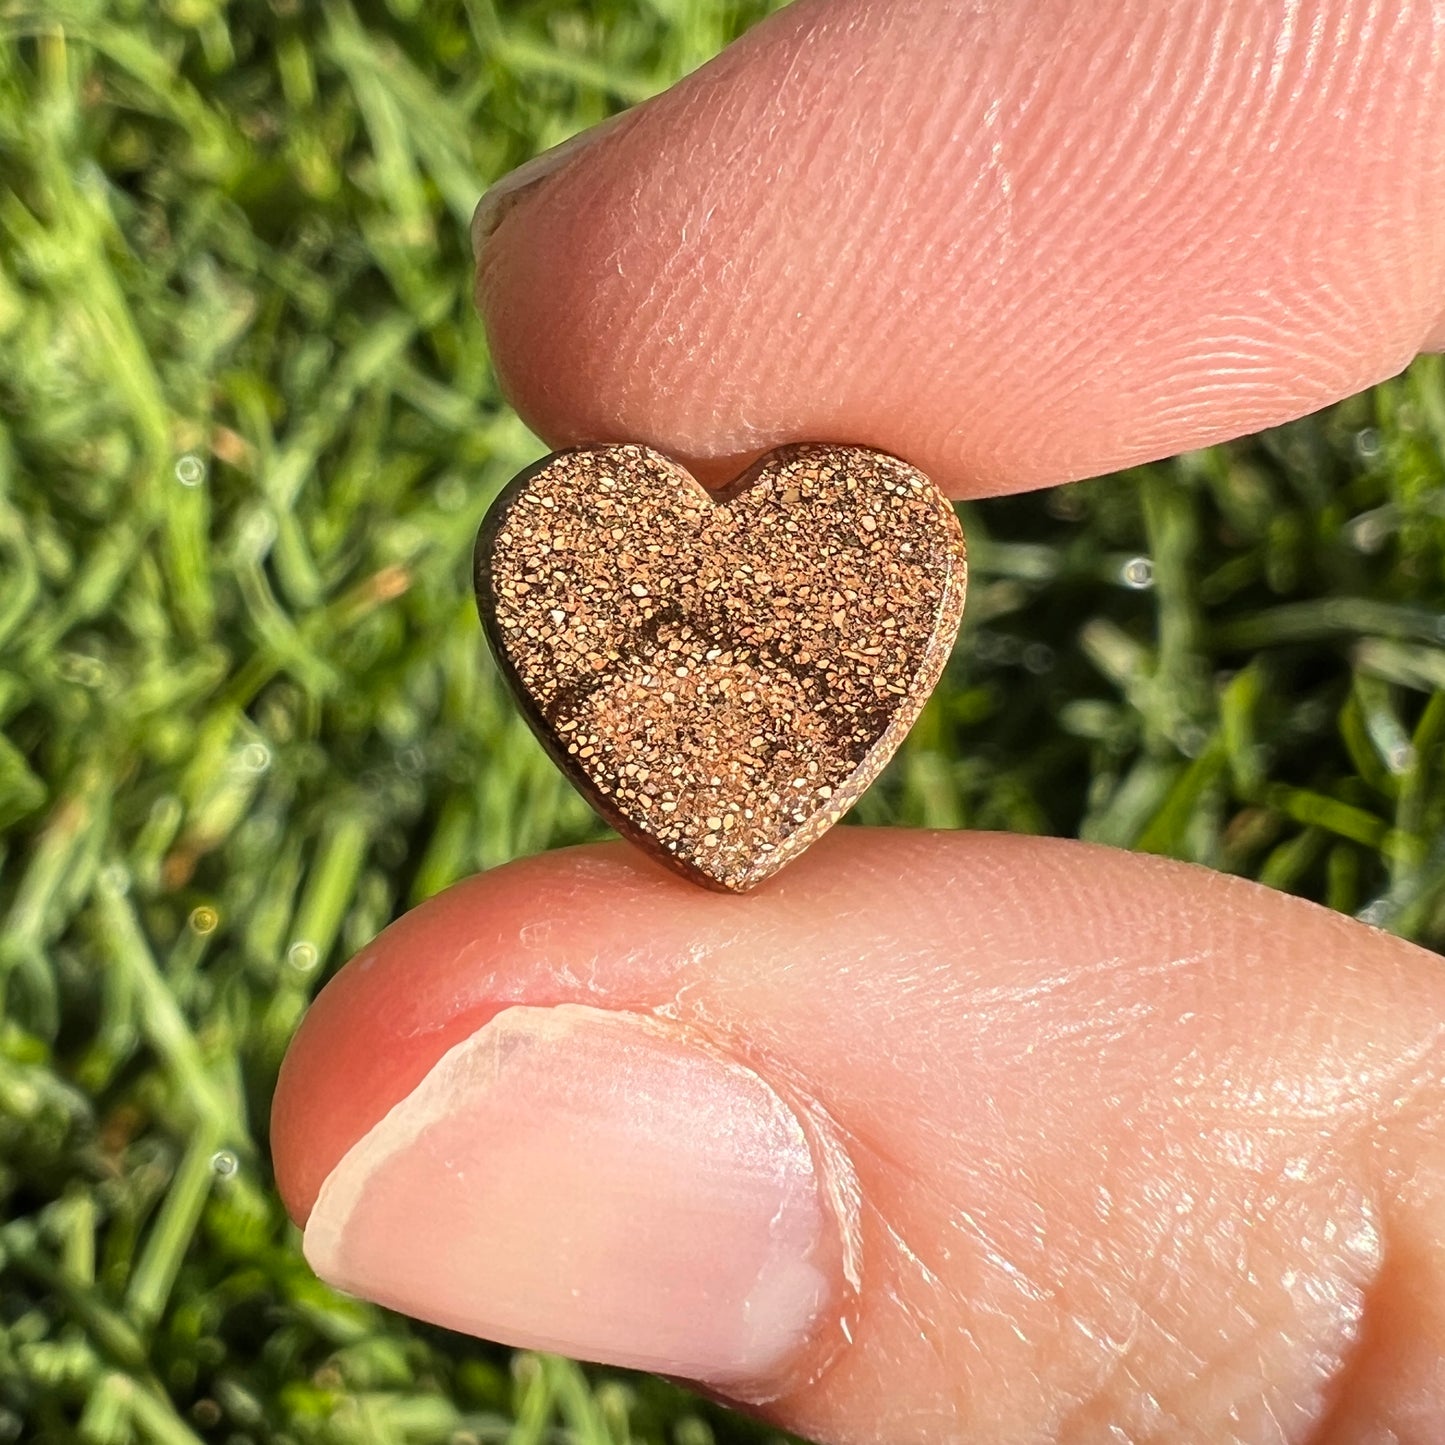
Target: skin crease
(1145,1153)
(1139,1145)
(1015,243)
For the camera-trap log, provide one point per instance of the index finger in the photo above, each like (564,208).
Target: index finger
(1014,243)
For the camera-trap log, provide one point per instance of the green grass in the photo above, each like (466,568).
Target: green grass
(247,431)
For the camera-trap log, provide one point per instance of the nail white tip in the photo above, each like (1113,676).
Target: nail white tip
(594,1183)
(494,204)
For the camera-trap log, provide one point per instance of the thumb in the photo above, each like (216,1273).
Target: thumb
(1015,242)
(936,1137)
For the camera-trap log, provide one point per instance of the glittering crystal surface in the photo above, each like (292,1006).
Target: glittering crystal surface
(722,676)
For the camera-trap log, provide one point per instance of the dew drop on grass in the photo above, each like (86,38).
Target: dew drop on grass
(224,1163)
(302,956)
(190,470)
(1367,444)
(203,920)
(1138,573)
(255,757)
(1400,758)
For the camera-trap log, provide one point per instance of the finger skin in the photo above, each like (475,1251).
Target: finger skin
(1141,1148)
(1015,242)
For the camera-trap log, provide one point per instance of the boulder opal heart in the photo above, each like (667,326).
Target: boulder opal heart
(721,674)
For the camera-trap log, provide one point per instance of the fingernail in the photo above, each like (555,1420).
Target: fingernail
(596,1184)
(500,197)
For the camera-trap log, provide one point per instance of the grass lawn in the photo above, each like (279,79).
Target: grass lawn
(247,432)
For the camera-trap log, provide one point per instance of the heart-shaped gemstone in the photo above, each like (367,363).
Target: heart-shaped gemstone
(721,675)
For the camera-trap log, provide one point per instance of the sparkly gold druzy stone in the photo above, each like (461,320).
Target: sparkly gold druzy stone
(721,674)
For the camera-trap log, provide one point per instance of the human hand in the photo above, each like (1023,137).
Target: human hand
(937,1136)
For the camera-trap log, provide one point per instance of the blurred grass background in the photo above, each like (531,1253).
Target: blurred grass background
(247,432)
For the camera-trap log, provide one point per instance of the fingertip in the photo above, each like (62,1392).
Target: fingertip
(932,260)
(997,1061)
(698,1180)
